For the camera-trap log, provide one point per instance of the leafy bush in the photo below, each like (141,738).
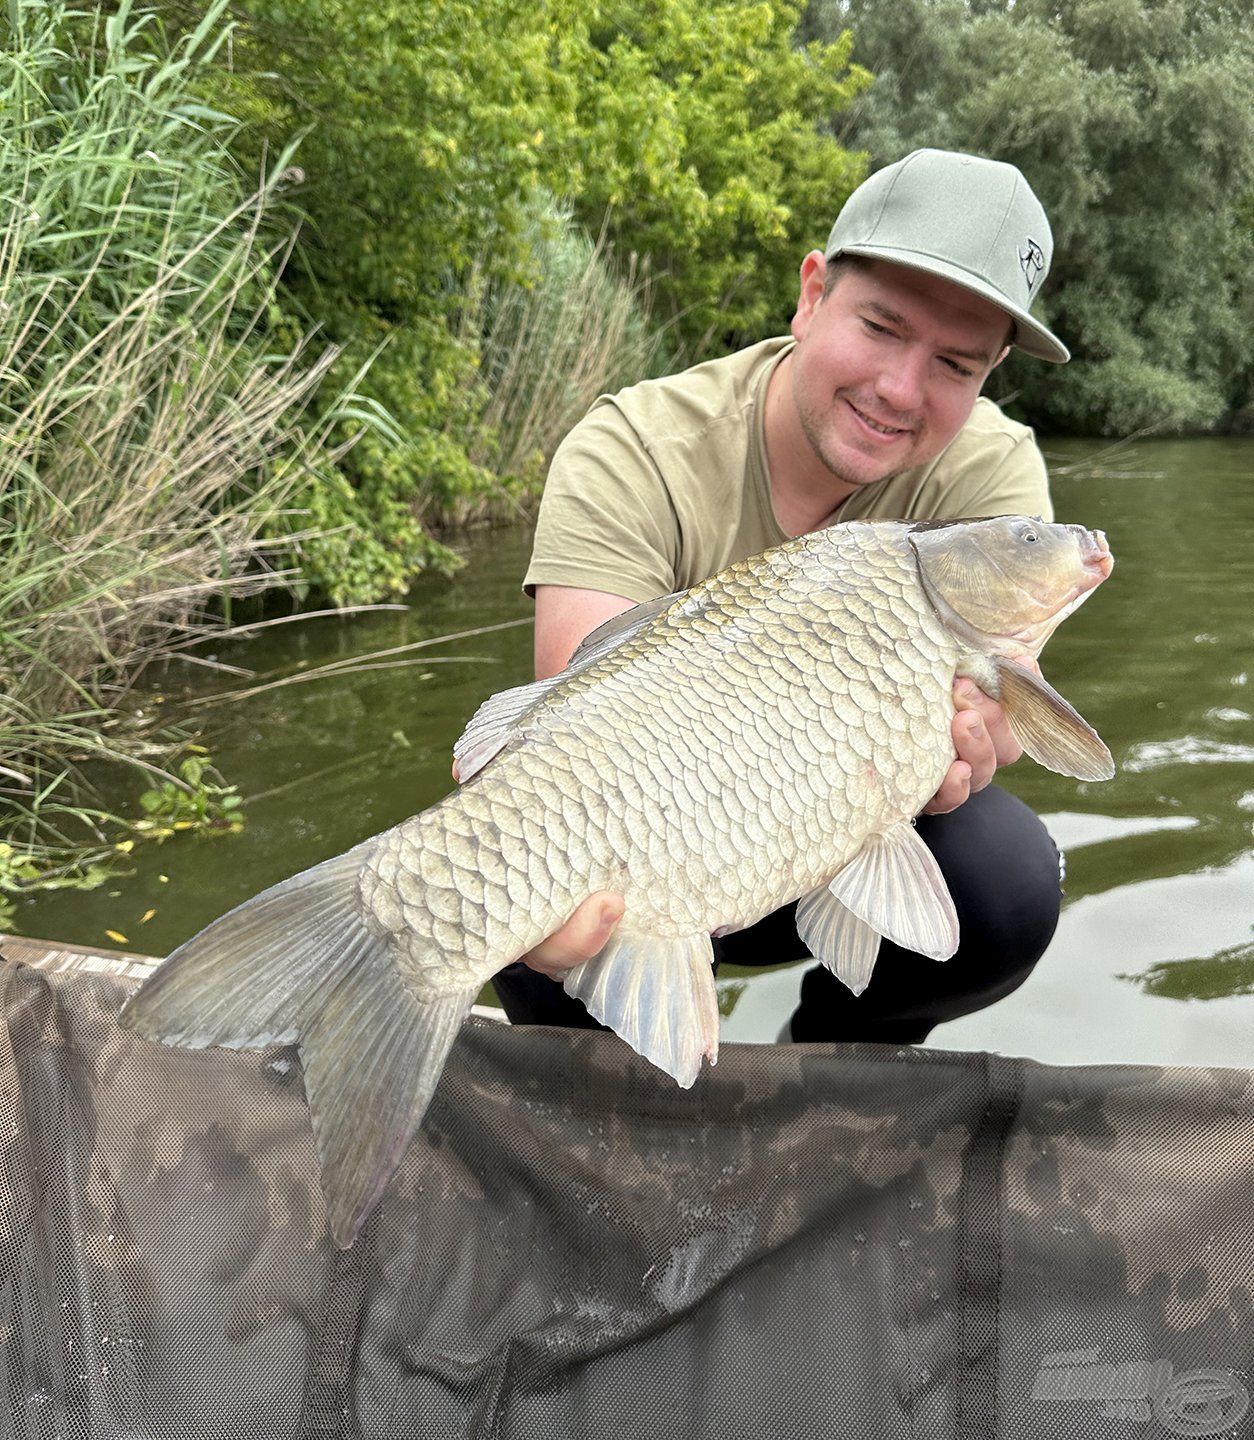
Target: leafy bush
(683,133)
(700,141)
(420,127)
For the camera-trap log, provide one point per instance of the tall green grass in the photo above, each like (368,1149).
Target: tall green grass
(548,348)
(152,397)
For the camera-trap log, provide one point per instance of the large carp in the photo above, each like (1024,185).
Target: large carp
(710,755)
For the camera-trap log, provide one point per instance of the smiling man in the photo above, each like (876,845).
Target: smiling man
(870,410)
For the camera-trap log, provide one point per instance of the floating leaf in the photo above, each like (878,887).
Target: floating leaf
(116,936)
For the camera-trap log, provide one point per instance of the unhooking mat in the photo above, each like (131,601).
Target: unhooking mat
(814,1241)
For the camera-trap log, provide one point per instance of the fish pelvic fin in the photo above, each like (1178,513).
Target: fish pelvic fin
(658,994)
(298,964)
(1050,730)
(894,885)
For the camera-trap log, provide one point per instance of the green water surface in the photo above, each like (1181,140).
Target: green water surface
(1154,958)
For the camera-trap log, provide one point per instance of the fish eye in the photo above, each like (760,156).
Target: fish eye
(1029,537)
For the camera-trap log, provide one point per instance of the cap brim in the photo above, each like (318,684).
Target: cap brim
(1030,335)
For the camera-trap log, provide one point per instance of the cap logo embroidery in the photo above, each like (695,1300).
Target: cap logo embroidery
(1032,262)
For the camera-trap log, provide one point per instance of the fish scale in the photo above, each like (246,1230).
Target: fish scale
(710,743)
(764,737)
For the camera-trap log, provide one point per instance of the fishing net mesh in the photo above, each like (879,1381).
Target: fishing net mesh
(814,1240)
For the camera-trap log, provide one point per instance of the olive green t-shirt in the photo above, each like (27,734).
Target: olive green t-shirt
(666,482)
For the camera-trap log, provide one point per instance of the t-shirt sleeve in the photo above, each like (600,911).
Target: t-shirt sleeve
(1012,483)
(606,519)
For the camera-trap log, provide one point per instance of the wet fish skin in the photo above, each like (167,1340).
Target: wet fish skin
(710,756)
(651,774)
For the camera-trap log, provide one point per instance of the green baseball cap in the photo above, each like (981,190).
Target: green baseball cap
(972,221)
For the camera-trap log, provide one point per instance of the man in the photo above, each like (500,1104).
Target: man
(871,410)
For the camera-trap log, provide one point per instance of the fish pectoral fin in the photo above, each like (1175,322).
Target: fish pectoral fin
(895,885)
(834,935)
(658,993)
(1050,730)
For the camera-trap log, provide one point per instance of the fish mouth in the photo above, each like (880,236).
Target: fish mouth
(1095,556)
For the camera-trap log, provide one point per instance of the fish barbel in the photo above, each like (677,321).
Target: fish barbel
(712,755)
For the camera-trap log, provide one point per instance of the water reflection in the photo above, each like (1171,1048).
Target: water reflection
(1230,972)
(1149,961)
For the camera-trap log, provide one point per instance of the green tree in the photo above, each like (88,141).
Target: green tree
(1132,120)
(698,141)
(686,136)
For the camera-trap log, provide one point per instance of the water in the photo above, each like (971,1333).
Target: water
(1154,958)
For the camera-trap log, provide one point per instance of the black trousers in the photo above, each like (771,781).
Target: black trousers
(1003,873)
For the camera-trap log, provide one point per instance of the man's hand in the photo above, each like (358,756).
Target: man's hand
(580,938)
(983,741)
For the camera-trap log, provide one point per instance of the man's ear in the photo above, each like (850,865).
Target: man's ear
(1000,358)
(813,273)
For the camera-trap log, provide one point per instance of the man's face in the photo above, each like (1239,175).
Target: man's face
(888,366)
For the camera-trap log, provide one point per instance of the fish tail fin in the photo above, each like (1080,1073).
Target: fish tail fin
(298,965)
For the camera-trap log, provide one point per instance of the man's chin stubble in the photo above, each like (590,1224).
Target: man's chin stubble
(834,469)
(858,480)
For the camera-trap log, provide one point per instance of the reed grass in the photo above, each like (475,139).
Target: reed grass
(153,422)
(549,346)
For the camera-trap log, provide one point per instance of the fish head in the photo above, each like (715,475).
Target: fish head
(1005,584)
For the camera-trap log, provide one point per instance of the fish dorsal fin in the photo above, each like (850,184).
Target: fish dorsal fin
(836,937)
(494,723)
(497,720)
(617,628)
(895,885)
(1050,730)
(658,994)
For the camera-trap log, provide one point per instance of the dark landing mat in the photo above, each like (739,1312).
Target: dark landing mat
(814,1241)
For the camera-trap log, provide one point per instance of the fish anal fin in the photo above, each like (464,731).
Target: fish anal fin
(1050,730)
(895,885)
(658,994)
(838,938)
(372,1056)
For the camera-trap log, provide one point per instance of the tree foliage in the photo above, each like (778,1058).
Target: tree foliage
(685,135)
(697,141)
(1132,120)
